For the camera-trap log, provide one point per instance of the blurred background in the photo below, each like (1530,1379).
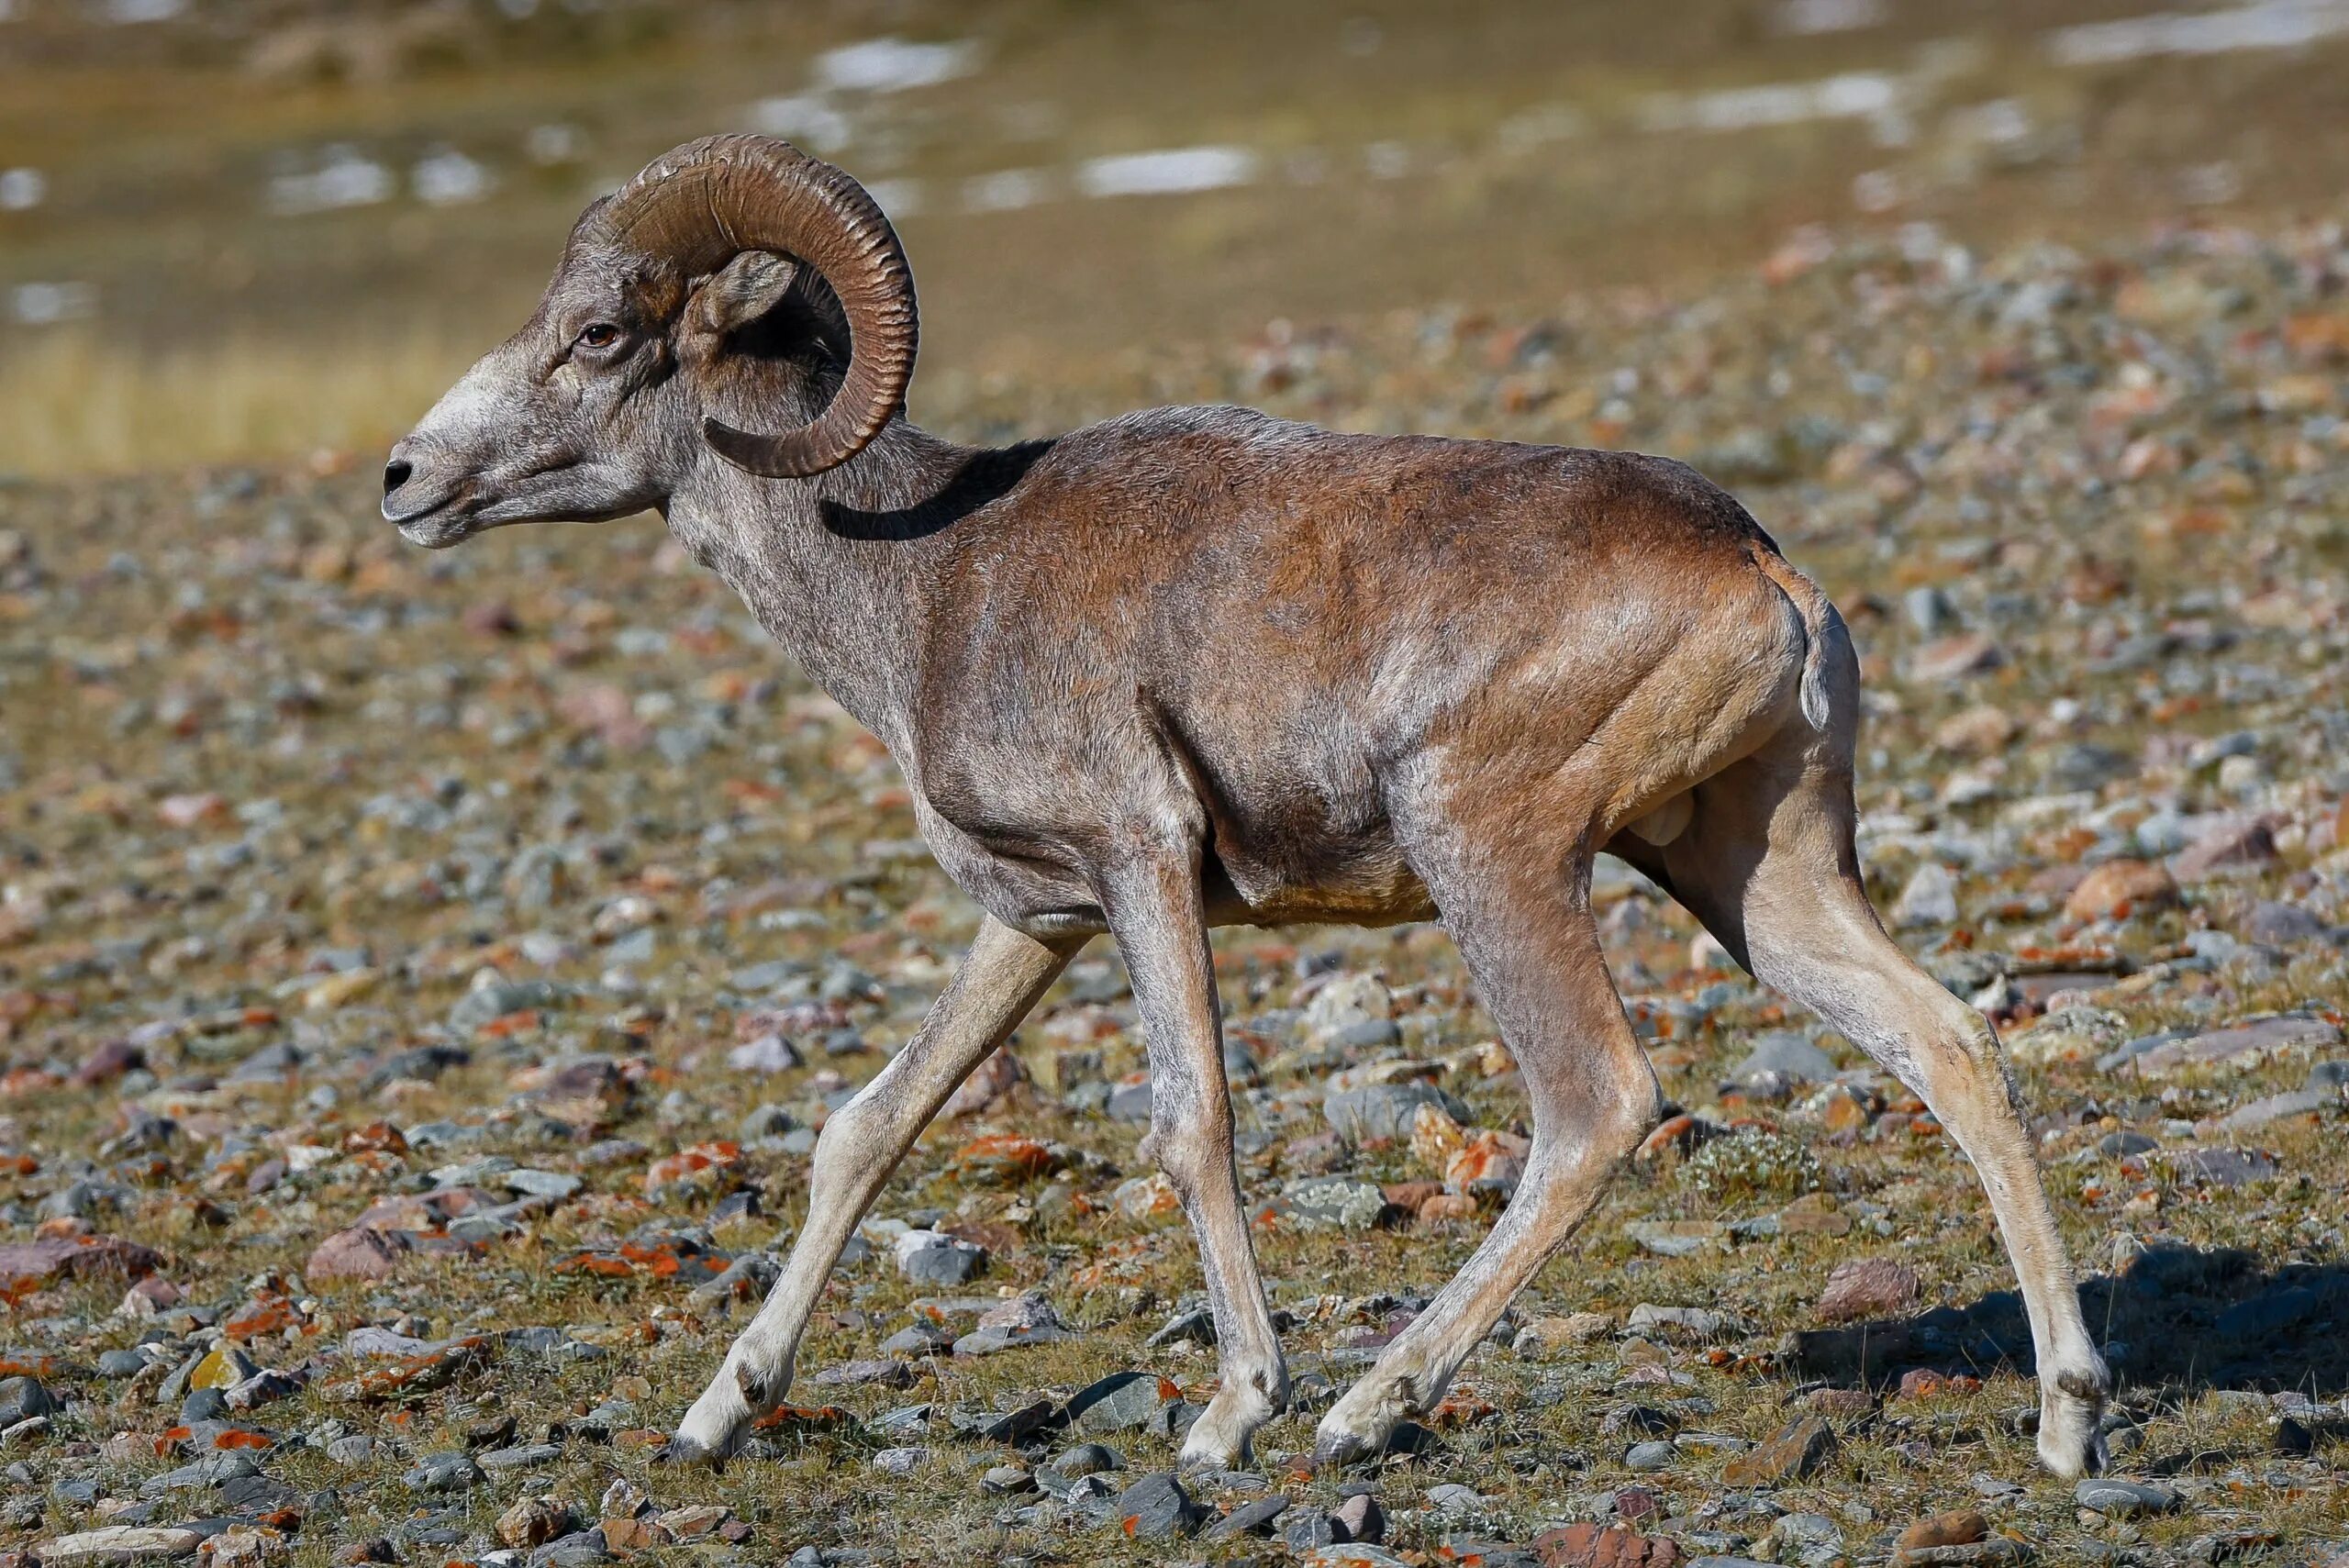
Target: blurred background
(279,228)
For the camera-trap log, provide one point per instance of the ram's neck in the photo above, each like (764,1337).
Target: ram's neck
(838,567)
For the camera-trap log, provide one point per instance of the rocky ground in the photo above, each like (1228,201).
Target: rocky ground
(422,980)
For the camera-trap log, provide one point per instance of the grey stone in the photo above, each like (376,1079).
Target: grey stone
(1123,1401)
(1129,1102)
(2238,1042)
(2268,920)
(522,1456)
(921,1337)
(2276,1107)
(2119,1499)
(1452,1497)
(1249,1519)
(1378,1112)
(21,1398)
(572,1550)
(953,1263)
(1005,1480)
(485,1003)
(865,1373)
(1302,1529)
(2226,1167)
(1702,1322)
(1088,1459)
(1929,899)
(450,1471)
(555,1184)
(987,1341)
(1338,1203)
(1157,1508)
(1198,1325)
(1807,1530)
(1653,1455)
(1788,1054)
(1008,1425)
(214,1470)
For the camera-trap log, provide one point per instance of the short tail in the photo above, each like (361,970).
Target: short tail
(1821,626)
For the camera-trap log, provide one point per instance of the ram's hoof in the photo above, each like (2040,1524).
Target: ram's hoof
(680,1451)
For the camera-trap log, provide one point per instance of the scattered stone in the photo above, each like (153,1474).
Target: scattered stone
(1338,1203)
(121,1543)
(1791,1454)
(521,1456)
(2122,888)
(1786,1054)
(1254,1517)
(357,1253)
(1868,1288)
(2232,847)
(944,1263)
(1605,1546)
(1384,1113)
(2237,1043)
(2282,925)
(1359,1519)
(1962,1528)
(27,1266)
(453,1470)
(2119,1500)
(25,1399)
(1123,1401)
(1930,899)
(1677,1237)
(1157,1508)
(532,1522)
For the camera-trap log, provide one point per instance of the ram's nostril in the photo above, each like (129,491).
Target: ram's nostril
(395,474)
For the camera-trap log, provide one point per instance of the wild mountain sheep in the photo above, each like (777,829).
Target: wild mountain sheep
(1199,666)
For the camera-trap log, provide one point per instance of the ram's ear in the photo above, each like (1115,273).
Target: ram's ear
(740,293)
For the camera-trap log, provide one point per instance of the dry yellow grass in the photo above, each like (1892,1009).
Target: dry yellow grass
(76,402)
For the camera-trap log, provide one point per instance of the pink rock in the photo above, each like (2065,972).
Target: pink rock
(1868,1288)
(1955,657)
(2251,842)
(109,1061)
(29,1265)
(159,1292)
(990,1081)
(357,1253)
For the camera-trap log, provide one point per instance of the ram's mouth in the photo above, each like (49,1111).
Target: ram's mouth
(446,522)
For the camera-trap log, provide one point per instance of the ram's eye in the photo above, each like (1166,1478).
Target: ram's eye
(598,335)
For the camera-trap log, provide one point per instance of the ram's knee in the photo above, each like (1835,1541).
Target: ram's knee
(846,1143)
(1630,1113)
(1191,1150)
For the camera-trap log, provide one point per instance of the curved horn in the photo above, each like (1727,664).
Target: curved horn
(705,202)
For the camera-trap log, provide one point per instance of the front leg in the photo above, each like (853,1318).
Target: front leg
(1005,973)
(1151,896)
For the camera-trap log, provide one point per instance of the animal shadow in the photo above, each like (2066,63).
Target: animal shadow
(2176,1321)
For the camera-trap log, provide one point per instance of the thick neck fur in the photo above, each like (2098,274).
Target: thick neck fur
(839,568)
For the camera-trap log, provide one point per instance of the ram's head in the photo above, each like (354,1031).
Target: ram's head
(735,281)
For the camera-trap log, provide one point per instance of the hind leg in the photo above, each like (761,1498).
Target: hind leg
(1523,926)
(1768,864)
